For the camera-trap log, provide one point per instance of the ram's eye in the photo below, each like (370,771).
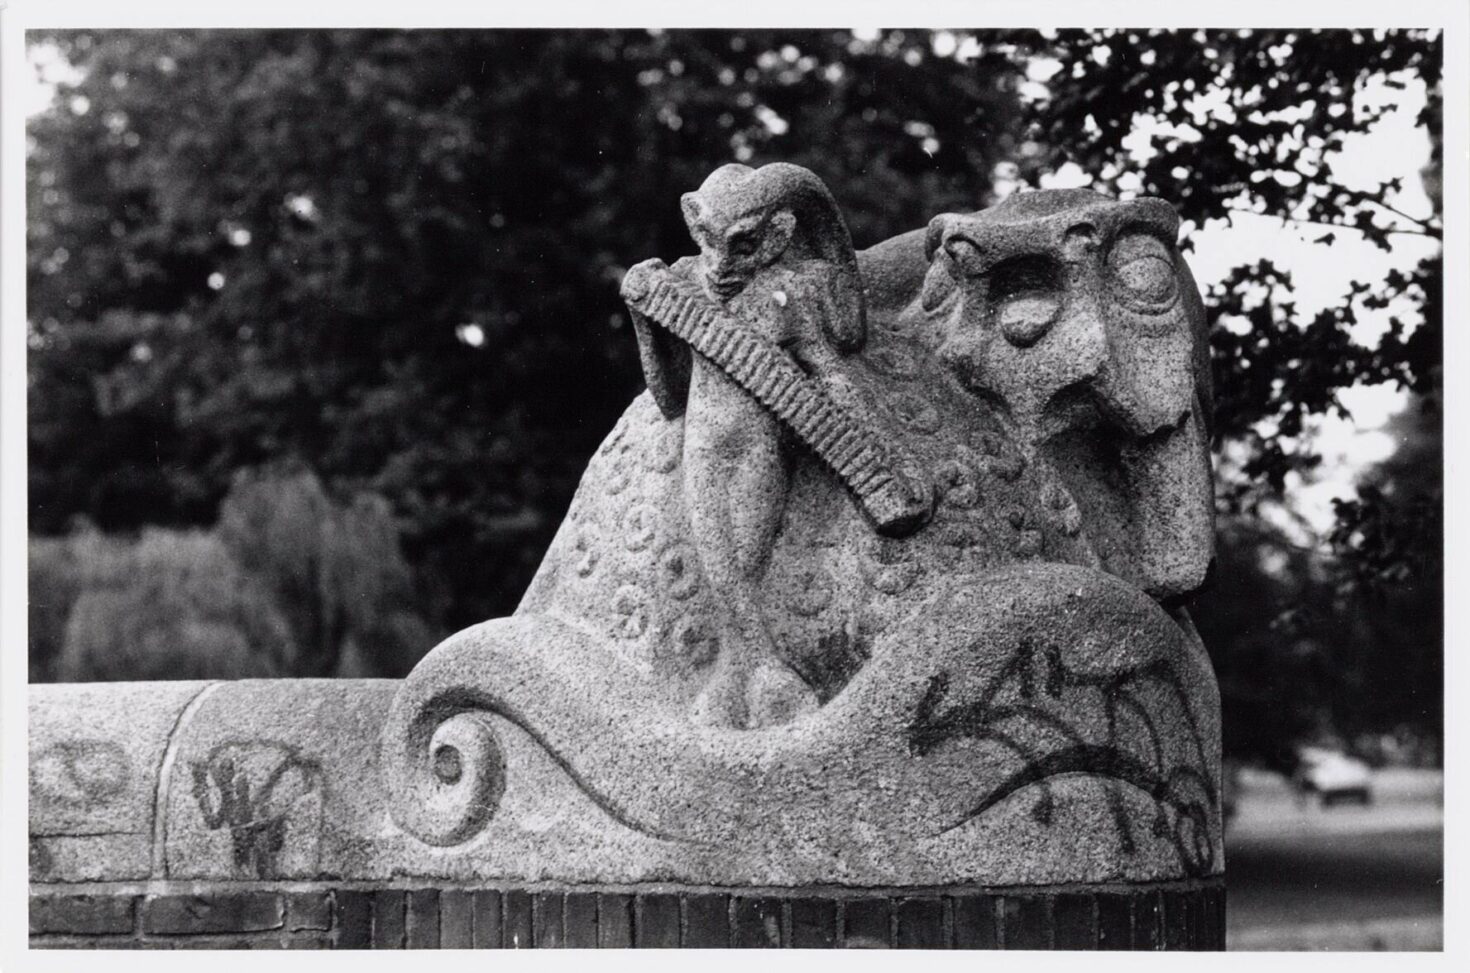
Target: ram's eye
(1143,267)
(965,254)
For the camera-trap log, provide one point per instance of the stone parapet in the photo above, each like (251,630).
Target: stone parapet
(251,815)
(865,626)
(224,781)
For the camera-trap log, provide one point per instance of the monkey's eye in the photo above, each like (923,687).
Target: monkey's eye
(744,244)
(1143,268)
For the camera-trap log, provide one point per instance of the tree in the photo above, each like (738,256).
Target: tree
(1274,646)
(395,255)
(1389,542)
(1249,122)
(170,605)
(288,583)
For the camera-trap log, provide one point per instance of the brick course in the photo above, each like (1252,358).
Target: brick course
(427,918)
(227,912)
(85,915)
(308,910)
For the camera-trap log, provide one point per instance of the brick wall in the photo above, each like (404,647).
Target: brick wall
(326,917)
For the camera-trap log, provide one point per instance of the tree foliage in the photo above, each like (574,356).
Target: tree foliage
(392,257)
(170,605)
(1250,122)
(366,200)
(288,583)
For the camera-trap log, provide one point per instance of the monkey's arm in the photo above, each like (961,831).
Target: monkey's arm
(665,359)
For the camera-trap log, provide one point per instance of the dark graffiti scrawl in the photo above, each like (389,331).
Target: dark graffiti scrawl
(1035,691)
(252,788)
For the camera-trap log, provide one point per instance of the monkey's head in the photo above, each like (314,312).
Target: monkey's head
(746,219)
(737,234)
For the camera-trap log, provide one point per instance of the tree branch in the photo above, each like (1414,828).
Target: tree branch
(1432,233)
(1427,224)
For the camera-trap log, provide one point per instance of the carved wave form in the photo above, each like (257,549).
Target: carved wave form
(451,777)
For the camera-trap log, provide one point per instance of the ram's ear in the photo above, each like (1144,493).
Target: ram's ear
(1199,324)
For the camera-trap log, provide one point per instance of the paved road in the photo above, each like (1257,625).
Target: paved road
(1290,867)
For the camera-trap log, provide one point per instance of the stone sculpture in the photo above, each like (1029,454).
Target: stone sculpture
(775,255)
(880,584)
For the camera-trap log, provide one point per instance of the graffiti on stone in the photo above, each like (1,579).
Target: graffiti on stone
(267,797)
(81,773)
(1036,695)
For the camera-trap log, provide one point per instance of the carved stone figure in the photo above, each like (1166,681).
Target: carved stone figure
(775,254)
(880,584)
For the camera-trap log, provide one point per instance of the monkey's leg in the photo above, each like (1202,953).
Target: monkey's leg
(736,477)
(756,502)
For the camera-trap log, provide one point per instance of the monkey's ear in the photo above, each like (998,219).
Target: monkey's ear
(693,209)
(779,230)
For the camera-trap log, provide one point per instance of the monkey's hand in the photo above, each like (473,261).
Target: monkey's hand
(665,359)
(639,278)
(685,268)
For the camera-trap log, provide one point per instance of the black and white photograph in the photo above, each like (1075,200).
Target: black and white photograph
(623,481)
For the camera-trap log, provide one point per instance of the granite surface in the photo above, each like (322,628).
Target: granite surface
(880,585)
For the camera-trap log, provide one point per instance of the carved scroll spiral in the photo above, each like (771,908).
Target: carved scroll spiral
(451,783)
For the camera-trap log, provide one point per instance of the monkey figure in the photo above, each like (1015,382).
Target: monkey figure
(775,252)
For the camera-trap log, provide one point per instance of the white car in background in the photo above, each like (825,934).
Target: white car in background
(1333,776)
